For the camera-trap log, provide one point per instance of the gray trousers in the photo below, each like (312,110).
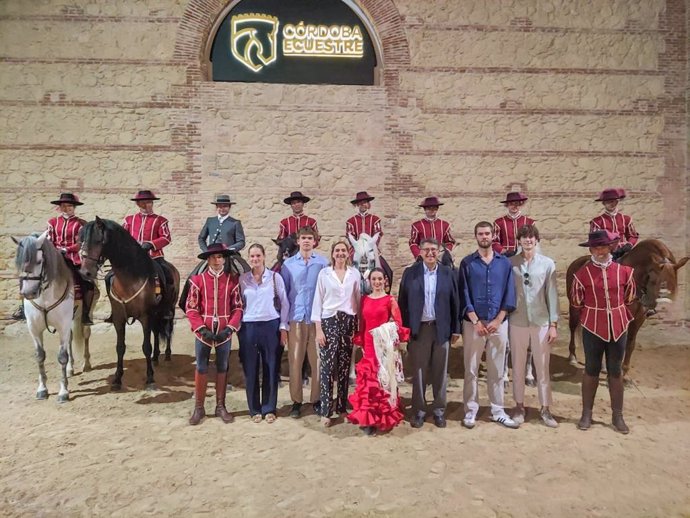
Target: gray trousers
(429,361)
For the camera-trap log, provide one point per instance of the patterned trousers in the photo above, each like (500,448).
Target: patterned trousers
(334,361)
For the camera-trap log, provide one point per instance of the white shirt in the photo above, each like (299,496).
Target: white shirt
(223,218)
(332,295)
(258,298)
(429,310)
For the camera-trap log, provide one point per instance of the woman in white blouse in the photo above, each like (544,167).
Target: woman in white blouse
(335,309)
(263,334)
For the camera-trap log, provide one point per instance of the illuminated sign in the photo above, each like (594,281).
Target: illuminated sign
(293,41)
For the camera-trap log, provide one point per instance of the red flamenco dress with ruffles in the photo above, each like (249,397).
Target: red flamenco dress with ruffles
(370,403)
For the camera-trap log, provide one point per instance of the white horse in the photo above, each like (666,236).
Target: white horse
(366,257)
(47,285)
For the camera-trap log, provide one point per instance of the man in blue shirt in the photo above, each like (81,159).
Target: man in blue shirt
(487,293)
(300,273)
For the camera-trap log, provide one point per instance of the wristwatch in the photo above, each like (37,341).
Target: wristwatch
(474,322)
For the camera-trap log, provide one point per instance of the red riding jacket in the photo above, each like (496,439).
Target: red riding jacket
(505,232)
(292,224)
(621,224)
(64,233)
(215,302)
(149,228)
(603,296)
(363,224)
(437,229)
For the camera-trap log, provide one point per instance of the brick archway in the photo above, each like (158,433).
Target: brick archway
(200,17)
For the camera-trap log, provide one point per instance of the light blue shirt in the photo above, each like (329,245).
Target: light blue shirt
(300,278)
(429,310)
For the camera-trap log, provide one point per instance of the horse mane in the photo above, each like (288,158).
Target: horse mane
(653,247)
(121,248)
(54,264)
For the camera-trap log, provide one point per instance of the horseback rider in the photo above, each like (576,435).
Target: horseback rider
(63,231)
(214,310)
(222,228)
(430,227)
(151,232)
(603,290)
(298,218)
(615,221)
(506,227)
(363,222)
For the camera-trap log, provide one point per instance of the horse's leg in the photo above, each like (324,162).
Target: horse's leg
(156,348)
(64,358)
(70,354)
(573,321)
(635,326)
(120,348)
(147,349)
(529,371)
(42,390)
(86,335)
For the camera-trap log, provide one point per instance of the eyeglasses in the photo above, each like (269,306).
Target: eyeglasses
(430,250)
(526,276)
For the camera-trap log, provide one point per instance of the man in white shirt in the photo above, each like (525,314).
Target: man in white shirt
(534,321)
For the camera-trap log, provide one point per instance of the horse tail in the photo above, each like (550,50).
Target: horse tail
(163,328)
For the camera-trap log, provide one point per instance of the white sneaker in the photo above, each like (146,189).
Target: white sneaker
(469,420)
(519,416)
(505,420)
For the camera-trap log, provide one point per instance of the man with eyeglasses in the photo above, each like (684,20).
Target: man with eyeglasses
(534,321)
(429,304)
(487,295)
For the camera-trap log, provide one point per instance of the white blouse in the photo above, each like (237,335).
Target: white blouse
(258,298)
(332,295)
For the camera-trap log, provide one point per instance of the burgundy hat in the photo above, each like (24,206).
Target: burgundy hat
(67,197)
(611,194)
(145,196)
(296,195)
(514,196)
(222,199)
(215,248)
(431,201)
(362,196)
(601,238)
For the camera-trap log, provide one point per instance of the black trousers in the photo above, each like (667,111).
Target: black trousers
(595,348)
(334,361)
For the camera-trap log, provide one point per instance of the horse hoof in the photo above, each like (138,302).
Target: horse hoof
(531,383)
(168,357)
(70,372)
(572,360)
(63,398)
(155,361)
(116,386)
(42,394)
(87,367)
(150,387)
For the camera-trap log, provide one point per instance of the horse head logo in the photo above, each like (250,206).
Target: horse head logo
(253,39)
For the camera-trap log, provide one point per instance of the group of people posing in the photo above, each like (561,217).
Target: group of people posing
(504,291)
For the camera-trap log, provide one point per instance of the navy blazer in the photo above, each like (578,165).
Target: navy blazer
(447,307)
(230,233)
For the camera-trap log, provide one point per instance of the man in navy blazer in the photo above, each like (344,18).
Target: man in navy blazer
(430,307)
(222,228)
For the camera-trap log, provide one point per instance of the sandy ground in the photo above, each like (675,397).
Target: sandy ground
(132,453)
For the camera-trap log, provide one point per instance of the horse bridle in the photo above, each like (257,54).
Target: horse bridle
(43,281)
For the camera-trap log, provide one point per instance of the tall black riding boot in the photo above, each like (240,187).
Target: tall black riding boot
(87,292)
(616,390)
(589,391)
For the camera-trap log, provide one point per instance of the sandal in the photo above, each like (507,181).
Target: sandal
(270,418)
(256,418)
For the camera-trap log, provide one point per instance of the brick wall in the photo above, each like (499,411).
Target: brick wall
(553,97)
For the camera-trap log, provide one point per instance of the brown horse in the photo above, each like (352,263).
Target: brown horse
(656,278)
(133,290)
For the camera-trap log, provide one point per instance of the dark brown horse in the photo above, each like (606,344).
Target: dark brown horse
(133,290)
(656,278)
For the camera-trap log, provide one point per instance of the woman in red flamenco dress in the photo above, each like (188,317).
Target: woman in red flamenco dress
(371,403)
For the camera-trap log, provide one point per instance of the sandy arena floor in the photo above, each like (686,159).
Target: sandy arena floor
(132,453)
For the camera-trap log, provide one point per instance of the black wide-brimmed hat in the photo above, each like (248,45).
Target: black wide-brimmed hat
(601,238)
(431,201)
(67,197)
(223,199)
(362,196)
(145,196)
(611,194)
(296,195)
(215,248)
(512,197)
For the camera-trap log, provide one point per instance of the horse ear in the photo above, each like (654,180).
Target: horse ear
(16,241)
(275,241)
(351,239)
(40,239)
(680,263)
(375,237)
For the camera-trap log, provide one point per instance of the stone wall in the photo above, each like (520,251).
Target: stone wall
(552,97)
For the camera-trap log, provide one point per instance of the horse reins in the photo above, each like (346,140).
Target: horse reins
(47,310)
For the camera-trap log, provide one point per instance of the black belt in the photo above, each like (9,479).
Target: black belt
(429,322)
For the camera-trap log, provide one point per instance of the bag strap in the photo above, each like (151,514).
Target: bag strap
(275,288)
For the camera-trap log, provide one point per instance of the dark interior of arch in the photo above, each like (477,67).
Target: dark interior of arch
(293,41)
